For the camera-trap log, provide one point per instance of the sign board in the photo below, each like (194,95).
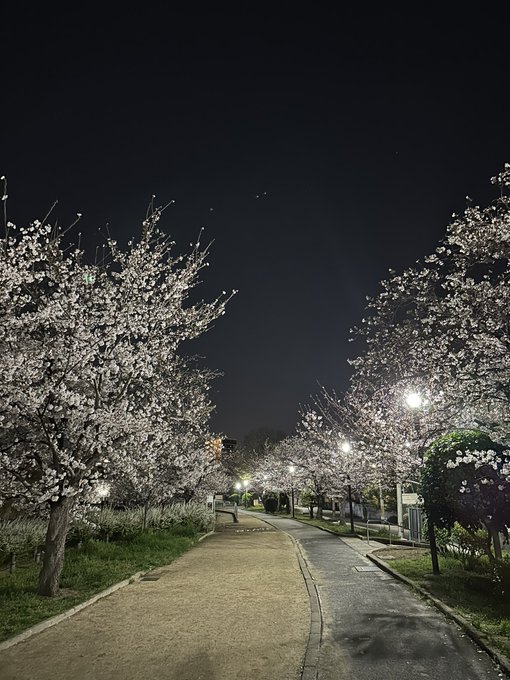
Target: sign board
(218,497)
(410,499)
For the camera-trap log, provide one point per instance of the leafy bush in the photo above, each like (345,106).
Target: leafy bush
(270,504)
(458,486)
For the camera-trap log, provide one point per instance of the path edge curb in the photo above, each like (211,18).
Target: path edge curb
(48,623)
(480,639)
(311,659)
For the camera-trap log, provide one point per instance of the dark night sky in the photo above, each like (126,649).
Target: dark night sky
(366,130)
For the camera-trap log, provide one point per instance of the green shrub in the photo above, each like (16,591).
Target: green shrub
(270,504)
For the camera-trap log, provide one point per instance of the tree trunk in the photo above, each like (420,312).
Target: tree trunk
(433,548)
(320,505)
(54,547)
(341,509)
(496,542)
(310,508)
(144,517)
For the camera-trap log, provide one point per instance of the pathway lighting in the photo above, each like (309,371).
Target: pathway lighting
(292,470)
(414,400)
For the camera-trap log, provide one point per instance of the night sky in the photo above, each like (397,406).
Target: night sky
(318,148)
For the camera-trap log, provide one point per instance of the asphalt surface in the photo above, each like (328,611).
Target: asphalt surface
(374,627)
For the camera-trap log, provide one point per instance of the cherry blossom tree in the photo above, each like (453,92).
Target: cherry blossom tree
(440,331)
(82,347)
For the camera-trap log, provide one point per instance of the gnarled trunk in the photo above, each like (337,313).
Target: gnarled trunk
(54,547)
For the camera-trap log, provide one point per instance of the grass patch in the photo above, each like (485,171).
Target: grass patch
(88,571)
(340,529)
(473,594)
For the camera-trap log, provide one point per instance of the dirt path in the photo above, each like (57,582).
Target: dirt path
(234,606)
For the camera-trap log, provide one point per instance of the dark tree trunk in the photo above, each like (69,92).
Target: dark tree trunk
(310,508)
(496,542)
(320,505)
(433,548)
(54,547)
(144,517)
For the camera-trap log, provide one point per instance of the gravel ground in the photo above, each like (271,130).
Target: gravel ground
(234,606)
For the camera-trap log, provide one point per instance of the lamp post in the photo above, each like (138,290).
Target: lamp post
(292,470)
(415,401)
(238,489)
(102,491)
(346,448)
(246,483)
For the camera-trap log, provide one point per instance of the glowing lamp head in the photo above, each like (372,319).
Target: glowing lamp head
(414,400)
(102,490)
(292,469)
(346,447)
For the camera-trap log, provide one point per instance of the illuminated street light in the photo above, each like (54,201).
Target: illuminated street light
(292,470)
(346,447)
(102,490)
(414,400)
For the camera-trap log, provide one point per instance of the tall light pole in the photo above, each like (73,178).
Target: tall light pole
(246,483)
(415,401)
(346,448)
(292,470)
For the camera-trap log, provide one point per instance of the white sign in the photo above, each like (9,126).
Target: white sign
(410,499)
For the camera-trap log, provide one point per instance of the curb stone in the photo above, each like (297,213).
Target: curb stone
(310,665)
(48,623)
(476,635)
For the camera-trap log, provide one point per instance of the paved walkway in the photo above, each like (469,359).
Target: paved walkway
(373,627)
(235,606)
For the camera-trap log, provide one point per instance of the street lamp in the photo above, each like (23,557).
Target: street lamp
(102,492)
(346,448)
(292,470)
(414,400)
(238,489)
(246,483)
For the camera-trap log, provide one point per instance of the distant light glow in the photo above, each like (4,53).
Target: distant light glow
(414,400)
(292,469)
(102,490)
(346,447)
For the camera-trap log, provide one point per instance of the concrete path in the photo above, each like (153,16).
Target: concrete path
(235,606)
(374,627)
